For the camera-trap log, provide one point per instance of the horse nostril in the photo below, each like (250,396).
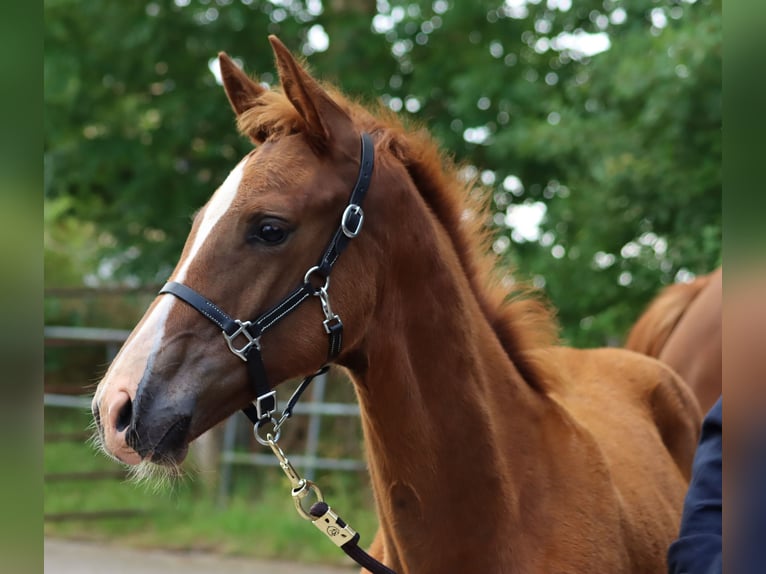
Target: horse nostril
(124,416)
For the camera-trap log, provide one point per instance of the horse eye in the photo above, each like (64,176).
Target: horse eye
(268,232)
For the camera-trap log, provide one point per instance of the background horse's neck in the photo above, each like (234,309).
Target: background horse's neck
(443,407)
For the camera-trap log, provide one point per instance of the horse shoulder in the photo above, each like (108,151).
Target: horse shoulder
(614,392)
(636,426)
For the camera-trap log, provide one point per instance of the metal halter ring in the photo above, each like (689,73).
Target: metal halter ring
(307,280)
(269,437)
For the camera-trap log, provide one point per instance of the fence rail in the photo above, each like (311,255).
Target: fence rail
(315,408)
(85,335)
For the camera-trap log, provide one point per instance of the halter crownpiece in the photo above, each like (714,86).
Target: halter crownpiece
(244,337)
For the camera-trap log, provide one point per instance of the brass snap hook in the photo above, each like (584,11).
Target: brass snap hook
(299,494)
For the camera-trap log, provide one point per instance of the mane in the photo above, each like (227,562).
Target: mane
(651,331)
(518,314)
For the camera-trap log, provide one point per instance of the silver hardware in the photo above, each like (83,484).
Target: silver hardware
(351,210)
(324,299)
(251,341)
(260,410)
(275,430)
(276,426)
(307,276)
(299,484)
(330,524)
(333,321)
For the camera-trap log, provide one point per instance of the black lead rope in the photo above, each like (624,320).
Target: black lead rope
(244,340)
(320,510)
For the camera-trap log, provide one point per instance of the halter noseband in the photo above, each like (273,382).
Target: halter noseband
(244,337)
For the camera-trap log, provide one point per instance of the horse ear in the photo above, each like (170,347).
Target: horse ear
(241,91)
(325,120)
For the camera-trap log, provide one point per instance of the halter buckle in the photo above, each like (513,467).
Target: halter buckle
(241,352)
(332,324)
(351,222)
(265,406)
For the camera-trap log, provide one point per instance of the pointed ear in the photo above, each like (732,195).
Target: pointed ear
(240,89)
(328,126)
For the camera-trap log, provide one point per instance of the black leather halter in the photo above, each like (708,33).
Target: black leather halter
(248,334)
(244,337)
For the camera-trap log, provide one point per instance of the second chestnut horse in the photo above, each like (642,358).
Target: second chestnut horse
(683,328)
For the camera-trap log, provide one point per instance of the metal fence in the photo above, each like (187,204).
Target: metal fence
(315,408)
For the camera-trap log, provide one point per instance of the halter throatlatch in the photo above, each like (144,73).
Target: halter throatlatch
(244,340)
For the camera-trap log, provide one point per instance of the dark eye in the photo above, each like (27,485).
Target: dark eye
(270,232)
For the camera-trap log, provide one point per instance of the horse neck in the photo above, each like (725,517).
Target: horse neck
(443,407)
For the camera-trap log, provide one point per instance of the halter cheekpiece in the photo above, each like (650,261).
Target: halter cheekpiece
(244,337)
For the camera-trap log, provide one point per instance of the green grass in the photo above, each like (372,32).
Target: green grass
(258,520)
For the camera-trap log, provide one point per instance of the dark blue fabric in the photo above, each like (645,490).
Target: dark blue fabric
(746,548)
(698,547)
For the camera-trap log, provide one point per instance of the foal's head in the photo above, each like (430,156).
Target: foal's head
(249,246)
(259,234)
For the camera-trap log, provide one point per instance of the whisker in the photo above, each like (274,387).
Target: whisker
(158,477)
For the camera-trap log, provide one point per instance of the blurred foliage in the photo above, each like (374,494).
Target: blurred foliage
(620,150)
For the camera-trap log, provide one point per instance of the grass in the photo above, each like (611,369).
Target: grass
(259,518)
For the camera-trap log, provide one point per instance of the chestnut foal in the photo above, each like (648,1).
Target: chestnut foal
(489,449)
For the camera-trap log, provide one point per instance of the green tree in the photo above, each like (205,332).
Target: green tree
(620,150)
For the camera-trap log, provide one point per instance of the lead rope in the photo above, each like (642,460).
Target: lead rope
(319,514)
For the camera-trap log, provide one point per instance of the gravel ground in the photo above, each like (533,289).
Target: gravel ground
(67,557)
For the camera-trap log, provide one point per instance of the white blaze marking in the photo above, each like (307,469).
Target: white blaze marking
(219,204)
(135,356)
